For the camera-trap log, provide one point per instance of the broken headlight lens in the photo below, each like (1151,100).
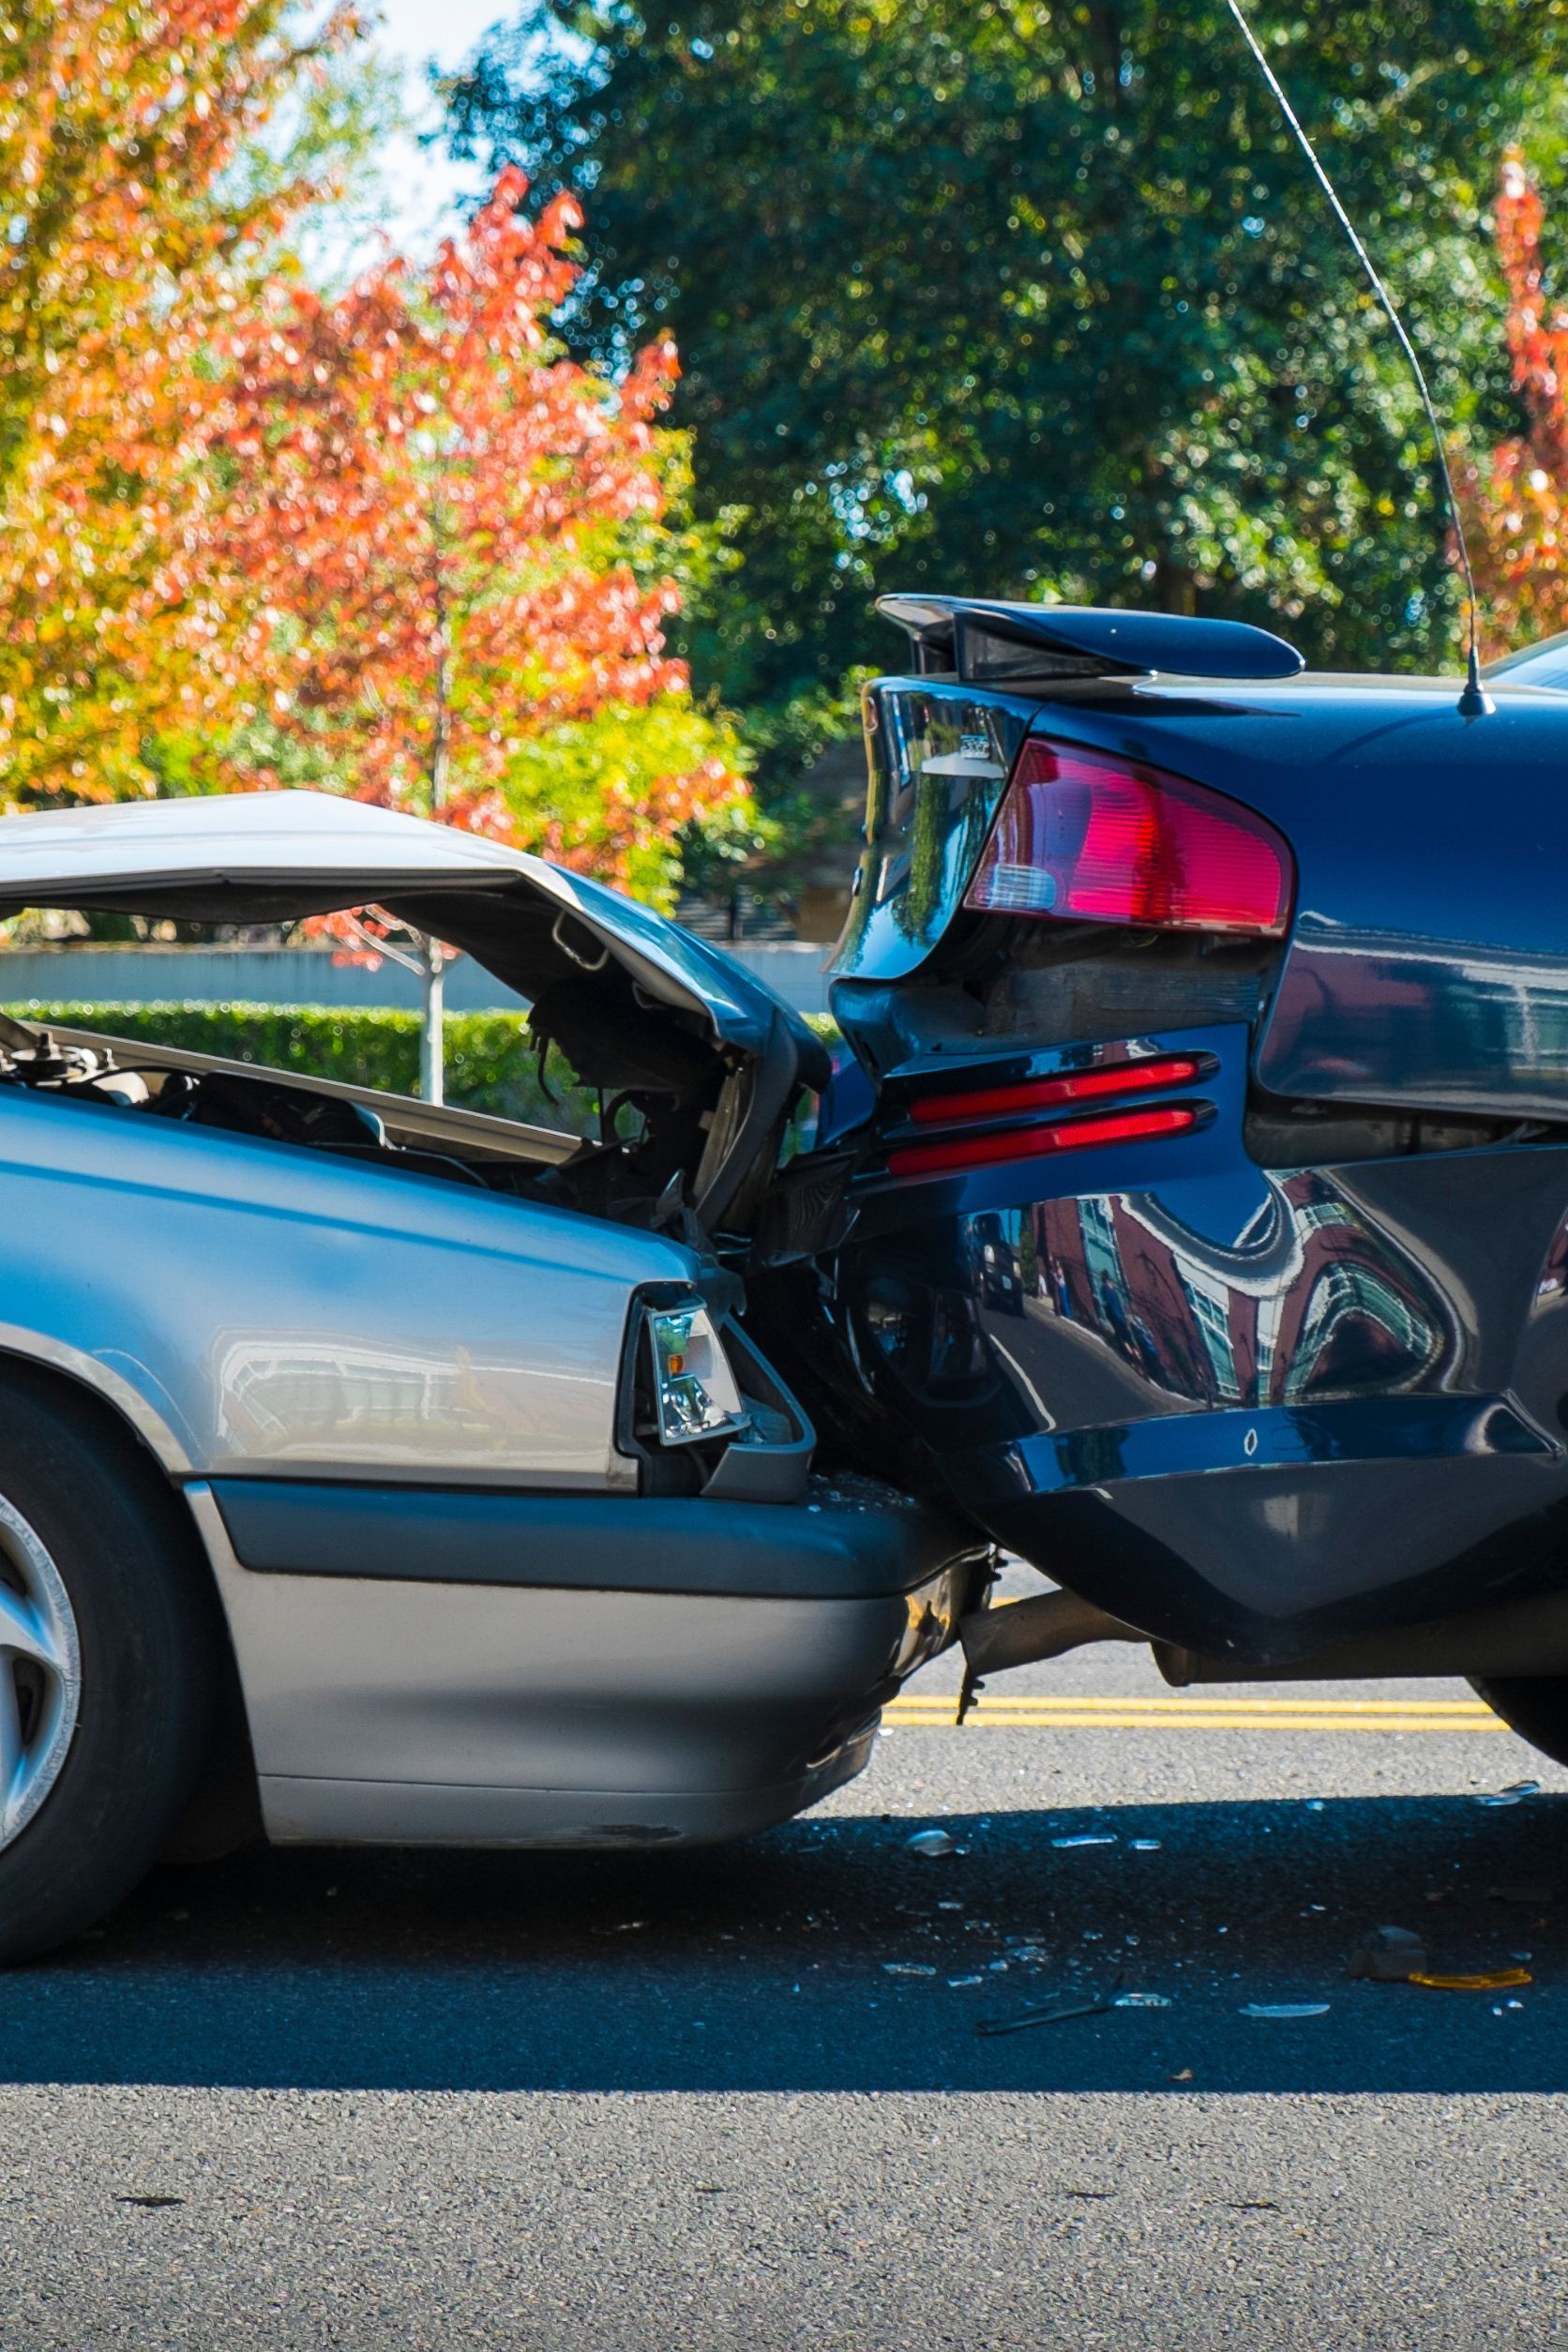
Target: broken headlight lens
(694,1393)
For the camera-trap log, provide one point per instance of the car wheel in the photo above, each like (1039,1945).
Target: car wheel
(1534,1705)
(107,1658)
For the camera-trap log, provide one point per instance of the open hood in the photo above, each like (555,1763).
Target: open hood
(273,858)
(600,971)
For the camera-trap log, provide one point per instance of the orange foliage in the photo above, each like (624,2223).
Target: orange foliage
(452,536)
(122,254)
(1516,517)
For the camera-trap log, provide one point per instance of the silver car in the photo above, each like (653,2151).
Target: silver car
(376,1471)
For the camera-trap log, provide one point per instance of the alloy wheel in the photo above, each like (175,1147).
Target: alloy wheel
(40,1673)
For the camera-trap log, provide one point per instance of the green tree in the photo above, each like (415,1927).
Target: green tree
(1035,300)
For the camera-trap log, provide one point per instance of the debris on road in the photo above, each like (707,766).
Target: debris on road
(1054,2012)
(1102,1837)
(932,1842)
(1144,1845)
(1141,2000)
(1486,1980)
(1387,1956)
(907,1967)
(1285,2009)
(1514,1794)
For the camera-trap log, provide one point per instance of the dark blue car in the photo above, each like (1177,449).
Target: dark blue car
(1229,1004)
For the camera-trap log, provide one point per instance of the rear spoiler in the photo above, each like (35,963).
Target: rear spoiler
(983,644)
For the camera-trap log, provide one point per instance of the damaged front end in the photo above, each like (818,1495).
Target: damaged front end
(520,1536)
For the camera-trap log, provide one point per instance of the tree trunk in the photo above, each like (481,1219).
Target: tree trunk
(432,1039)
(432,1042)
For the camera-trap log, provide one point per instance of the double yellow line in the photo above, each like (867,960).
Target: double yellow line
(1179,1713)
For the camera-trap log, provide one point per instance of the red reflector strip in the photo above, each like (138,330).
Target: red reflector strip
(1074,1086)
(1027,1143)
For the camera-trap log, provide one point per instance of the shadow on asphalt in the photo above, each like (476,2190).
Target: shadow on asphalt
(765,1967)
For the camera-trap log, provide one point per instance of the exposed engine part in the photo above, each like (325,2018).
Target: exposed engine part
(637,1177)
(1022,1633)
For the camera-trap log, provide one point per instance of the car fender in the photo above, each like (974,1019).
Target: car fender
(255,1308)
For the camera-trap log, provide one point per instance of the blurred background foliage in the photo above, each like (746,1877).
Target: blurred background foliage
(1035,300)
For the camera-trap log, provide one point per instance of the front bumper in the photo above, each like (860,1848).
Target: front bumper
(512,1669)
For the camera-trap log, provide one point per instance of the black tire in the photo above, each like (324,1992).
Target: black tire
(148,1650)
(1534,1705)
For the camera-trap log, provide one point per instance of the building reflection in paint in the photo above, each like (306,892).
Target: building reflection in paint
(1312,1299)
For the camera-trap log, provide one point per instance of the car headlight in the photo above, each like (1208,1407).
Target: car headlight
(696,1395)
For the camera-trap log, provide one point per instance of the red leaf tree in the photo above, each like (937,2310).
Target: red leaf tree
(457,546)
(1515,513)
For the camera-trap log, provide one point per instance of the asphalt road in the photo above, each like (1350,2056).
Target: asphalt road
(740,2099)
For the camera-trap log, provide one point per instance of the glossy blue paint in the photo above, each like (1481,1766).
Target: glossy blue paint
(1426,967)
(1343,1429)
(988,641)
(1247,1409)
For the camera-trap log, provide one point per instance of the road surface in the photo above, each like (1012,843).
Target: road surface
(740,2099)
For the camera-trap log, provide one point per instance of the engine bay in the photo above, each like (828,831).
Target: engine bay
(655,1128)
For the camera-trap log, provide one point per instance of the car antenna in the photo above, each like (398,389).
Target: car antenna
(1475,702)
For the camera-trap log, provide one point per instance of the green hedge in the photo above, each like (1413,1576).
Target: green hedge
(490,1063)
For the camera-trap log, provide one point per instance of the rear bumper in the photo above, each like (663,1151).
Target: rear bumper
(1262,1536)
(1250,1410)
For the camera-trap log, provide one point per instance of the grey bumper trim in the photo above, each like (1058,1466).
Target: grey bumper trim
(827,1548)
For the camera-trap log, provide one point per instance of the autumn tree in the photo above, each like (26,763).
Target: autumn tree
(142,207)
(1516,510)
(461,545)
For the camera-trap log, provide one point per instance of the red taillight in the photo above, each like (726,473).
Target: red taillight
(1085,837)
(1073,1086)
(1027,1143)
